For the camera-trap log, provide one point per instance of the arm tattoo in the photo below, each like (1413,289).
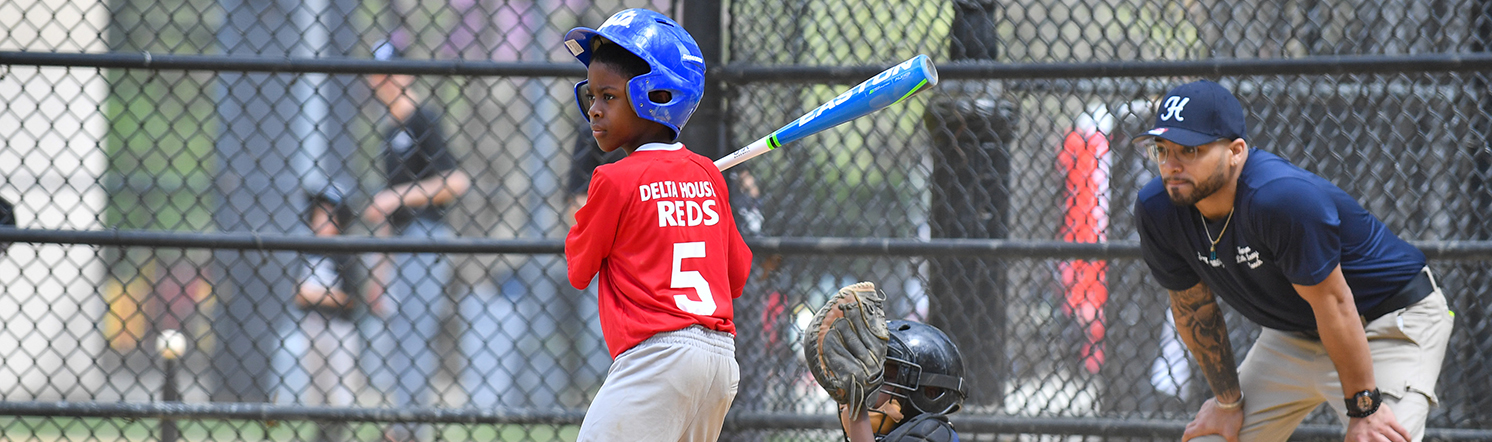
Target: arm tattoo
(1199,321)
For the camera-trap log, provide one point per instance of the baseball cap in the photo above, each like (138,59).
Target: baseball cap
(1198,113)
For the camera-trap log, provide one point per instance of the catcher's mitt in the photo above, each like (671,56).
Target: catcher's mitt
(845,345)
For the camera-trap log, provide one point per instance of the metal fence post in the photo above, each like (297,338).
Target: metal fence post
(705,133)
(252,196)
(266,152)
(1464,363)
(970,127)
(170,345)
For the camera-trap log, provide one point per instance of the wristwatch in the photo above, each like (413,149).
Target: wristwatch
(1364,403)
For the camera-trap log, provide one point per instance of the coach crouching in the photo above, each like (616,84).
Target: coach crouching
(1351,314)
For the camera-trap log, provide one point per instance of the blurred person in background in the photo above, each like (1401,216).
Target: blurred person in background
(319,359)
(406,291)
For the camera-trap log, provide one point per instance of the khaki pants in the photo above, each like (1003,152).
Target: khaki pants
(675,386)
(1287,375)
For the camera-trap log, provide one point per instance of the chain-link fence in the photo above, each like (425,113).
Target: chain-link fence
(166,158)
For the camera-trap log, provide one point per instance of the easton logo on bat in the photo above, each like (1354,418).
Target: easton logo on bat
(886,88)
(874,82)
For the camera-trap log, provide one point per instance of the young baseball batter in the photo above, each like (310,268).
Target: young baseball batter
(658,228)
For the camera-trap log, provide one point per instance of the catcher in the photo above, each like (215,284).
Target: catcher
(895,382)
(323,288)
(325,343)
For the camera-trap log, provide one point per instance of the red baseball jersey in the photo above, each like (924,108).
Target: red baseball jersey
(658,227)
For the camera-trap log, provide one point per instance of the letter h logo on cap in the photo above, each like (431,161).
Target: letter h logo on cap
(1173,106)
(1198,113)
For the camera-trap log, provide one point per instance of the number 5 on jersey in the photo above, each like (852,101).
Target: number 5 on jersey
(691,279)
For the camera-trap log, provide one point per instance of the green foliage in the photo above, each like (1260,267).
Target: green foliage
(1160,35)
(162,124)
(160,150)
(853,165)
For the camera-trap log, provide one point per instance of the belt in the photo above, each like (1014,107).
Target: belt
(1418,288)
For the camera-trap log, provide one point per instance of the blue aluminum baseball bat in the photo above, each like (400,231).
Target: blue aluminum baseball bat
(889,87)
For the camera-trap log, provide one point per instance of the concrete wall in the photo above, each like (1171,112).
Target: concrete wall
(51,158)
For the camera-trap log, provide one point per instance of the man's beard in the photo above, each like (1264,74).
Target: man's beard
(1200,190)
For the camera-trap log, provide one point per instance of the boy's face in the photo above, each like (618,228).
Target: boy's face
(613,122)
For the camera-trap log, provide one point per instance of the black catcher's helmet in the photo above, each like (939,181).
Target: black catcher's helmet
(929,371)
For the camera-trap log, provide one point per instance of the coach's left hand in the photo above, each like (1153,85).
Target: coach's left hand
(1376,427)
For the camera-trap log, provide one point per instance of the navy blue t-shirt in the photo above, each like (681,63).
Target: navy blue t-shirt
(1289,227)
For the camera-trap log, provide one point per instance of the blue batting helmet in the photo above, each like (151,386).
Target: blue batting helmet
(678,66)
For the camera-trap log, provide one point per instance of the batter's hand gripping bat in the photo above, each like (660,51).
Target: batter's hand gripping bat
(889,87)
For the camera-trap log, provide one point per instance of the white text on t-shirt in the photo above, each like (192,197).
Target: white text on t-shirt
(676,207)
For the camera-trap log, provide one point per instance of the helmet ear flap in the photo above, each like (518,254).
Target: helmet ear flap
(584,99)
(662,97)
(672,113)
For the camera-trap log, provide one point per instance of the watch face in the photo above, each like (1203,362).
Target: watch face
(1364,401)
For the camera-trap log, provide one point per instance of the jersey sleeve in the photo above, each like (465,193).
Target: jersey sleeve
(1169,267)
(591,238)
(1299,224)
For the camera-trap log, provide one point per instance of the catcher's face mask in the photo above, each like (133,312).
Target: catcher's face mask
(902,377)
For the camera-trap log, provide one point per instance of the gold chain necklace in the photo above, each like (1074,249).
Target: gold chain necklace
(1213,248)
